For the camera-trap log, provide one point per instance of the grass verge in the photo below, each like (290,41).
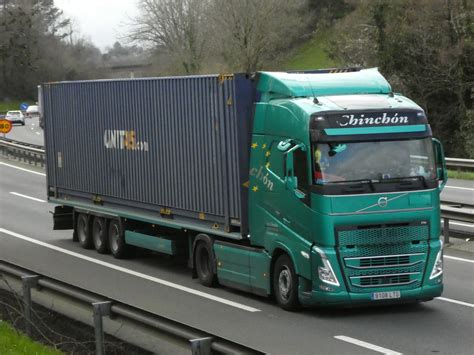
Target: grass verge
(12,342)
(462,175)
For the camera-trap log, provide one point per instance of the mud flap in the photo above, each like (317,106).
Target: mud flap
(63,218)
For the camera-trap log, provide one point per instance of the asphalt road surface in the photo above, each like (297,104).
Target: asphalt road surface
(164,286)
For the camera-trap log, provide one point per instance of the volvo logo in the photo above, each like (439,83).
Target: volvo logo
(382,202)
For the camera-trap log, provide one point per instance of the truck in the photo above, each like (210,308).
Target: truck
(318,187)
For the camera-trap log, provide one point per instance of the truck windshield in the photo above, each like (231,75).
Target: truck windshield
(380,161)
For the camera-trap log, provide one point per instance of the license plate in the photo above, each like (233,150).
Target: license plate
(385,295)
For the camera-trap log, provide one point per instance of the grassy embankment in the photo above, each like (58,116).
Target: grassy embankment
(12,342)
(312,54)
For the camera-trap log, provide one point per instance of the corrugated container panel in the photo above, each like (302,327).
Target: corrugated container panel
(187,146)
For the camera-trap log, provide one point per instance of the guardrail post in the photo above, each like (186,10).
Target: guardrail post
(446,230)
(28,281)
(100,309)
(201,346)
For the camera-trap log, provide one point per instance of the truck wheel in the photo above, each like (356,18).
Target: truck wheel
(99,235)
(83,231)
(205,263)
(285,284)
(116,238)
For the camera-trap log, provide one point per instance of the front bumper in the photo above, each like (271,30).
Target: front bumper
(348,299)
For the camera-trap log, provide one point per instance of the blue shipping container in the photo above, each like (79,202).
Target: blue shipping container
(177,145)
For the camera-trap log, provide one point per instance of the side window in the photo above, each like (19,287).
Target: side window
(275,161)
(301,170)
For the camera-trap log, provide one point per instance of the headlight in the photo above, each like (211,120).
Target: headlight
(438,265)
(326,273)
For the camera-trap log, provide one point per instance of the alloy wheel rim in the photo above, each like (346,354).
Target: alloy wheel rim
(284,283)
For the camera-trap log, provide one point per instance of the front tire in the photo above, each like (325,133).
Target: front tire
(205,263)
(116,238)
(83,231)
(285,284)
(100,234)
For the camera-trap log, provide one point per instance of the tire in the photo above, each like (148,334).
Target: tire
(84,236)
(116,240)
(205,262)
(285,284)
(100,235)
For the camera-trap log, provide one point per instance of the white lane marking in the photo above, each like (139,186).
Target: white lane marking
(29,197)
(38,133)
(366,345)
(133,273)
(22,169)
(455,301)
(459,187)
(459,259)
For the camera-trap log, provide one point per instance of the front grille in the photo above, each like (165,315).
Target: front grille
(383,255)
(383,234)
(383,261)
(385,280)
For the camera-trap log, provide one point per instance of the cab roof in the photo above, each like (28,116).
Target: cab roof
(322,83)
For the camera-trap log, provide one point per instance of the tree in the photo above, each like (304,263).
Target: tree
(250,33)
(29,30)
(178,27)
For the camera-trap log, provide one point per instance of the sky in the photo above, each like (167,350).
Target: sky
(100,21)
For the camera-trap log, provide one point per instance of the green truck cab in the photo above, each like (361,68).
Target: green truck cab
(321,188)
(344,184)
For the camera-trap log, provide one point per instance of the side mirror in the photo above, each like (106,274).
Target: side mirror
(284,145)
(441,170)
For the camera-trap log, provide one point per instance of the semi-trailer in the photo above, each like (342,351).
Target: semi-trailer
(320,187)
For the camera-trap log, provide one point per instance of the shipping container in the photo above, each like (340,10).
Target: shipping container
(177,146)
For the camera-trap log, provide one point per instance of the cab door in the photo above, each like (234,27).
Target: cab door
(279,194)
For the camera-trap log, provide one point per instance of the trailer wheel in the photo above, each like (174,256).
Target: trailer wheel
(83,231)
(116,240)
(285,284)
(100,234)
(204,258)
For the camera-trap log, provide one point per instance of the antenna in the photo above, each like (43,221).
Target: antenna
(315,100)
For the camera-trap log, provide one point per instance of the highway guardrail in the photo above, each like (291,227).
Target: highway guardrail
(29,153)
(200,342)
(457,212)
(467,164)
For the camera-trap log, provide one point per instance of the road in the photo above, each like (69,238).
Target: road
(29,133)
(163,285)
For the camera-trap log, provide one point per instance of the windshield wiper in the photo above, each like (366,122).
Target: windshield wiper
(359,181)
(406,179)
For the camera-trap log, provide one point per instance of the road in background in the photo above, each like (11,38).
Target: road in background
(30,133)
(436,326)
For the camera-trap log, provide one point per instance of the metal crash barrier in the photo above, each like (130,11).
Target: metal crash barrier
(200,342)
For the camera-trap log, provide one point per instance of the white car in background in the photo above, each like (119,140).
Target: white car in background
(15,117)
(32,111)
